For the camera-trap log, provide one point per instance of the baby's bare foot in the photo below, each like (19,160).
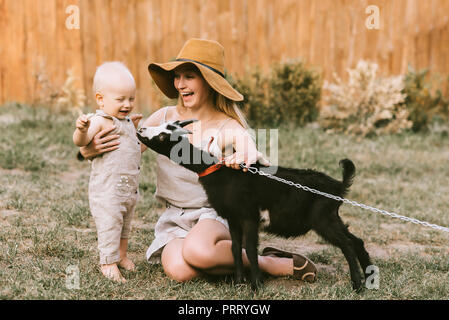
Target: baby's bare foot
(127,264)
(112,272)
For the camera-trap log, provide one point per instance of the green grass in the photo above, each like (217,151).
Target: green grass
(46,226)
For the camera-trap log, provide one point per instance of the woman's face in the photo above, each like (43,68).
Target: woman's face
(193,89)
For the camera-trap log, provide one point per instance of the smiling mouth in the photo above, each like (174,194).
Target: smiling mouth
(188,94)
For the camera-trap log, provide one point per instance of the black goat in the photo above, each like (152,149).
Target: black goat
(240,196)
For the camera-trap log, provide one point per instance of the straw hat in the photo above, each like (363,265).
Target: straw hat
(208,56)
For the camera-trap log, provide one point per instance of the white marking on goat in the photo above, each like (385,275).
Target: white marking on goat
(151,132)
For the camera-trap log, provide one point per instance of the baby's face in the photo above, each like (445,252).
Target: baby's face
(117,97)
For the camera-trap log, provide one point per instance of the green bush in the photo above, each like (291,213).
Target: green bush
(423,103)
(289,93)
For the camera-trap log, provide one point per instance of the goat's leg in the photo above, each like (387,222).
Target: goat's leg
(361,252)
(333,230)
(236,247)
(346,247)
(350,255)
(251,231)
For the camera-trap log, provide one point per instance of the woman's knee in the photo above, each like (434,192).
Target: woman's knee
(178,272)
(174,265)
(203,246)
(199,255)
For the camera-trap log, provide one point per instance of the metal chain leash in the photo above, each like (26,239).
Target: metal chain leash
(353,203)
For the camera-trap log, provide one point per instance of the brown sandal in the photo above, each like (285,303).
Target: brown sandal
(303,268)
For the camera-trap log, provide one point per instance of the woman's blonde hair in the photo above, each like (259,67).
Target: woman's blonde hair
(230,108)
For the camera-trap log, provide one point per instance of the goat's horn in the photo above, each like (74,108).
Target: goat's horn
(186,122)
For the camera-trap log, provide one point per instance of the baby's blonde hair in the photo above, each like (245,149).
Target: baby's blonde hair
(103,74)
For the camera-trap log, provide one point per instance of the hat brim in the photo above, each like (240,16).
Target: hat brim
(163,76)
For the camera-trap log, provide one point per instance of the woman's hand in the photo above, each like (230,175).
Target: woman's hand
(100,144)
(239,139)
(235,159)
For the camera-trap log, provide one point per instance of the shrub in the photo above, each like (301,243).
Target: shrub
(254,88)
(424,105)
(70,97)
(289,93)
(367,104)
(67,98)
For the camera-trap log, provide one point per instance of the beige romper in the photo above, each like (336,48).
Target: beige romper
(114,189)
(185,200)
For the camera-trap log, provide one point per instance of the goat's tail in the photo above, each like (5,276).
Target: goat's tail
(348,173)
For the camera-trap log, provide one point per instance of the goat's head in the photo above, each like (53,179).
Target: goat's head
(164,137)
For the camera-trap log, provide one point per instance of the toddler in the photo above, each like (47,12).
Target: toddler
(113,184)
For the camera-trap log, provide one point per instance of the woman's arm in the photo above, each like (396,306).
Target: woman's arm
(233,134)
(101,143)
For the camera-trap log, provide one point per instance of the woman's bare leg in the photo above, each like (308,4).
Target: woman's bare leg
(208,247)
(174,264)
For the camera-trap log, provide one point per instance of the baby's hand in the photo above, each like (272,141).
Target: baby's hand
(82,123)
(135,118)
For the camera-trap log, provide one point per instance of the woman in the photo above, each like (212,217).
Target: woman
(190,238)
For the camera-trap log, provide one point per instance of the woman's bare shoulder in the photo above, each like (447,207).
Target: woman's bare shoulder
(231,130)
(157,117)
(232,124)
(171,113)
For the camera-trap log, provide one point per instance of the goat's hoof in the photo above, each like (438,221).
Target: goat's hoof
(357,286)
(239,279)
(256,285)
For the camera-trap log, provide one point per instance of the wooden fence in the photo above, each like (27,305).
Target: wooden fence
(35,43)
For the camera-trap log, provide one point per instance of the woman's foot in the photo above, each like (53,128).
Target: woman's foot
(303,268)
(111,271)
(127,264)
